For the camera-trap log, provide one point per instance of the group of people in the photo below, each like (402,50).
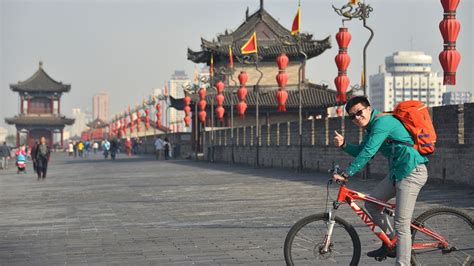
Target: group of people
(39,153)
(81,148)
(162,148)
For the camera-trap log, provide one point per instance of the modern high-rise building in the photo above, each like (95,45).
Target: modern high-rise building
(406,75)
(175,119)
(457,97)
(79,122)
(100,106)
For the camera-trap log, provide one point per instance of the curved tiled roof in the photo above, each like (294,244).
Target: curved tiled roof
(39,120)
(40,82)
(313,96)
(272,39)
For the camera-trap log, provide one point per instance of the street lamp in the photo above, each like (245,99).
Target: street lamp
(193,89)
(253,60)
(361,12)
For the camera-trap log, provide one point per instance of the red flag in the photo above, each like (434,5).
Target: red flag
(295,28)
(251,45)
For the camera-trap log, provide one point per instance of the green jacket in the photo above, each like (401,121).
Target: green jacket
(402,159)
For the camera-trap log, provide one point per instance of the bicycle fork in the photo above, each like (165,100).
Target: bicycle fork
(330,227)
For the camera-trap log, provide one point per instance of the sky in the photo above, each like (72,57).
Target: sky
(129,47)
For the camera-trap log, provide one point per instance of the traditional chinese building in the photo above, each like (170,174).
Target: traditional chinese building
(273,39)
(40,108)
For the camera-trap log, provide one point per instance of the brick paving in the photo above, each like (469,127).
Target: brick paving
(142,212)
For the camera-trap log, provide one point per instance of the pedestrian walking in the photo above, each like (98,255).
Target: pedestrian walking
(106,148)
(74,145)
(158,147)
(167,148)
(70,149)
(5,155)
(41,155)
(20,156)
(33,159)
(113,148)
(128,146)
(95,146)
(80,149)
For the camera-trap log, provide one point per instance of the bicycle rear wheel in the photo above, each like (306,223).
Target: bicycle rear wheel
(453,225)
(304,242)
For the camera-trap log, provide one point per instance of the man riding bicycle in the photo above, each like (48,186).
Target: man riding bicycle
(407,171)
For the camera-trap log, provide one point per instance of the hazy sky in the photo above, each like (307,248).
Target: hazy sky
(130,47)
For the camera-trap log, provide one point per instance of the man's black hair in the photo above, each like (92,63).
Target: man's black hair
(356,100)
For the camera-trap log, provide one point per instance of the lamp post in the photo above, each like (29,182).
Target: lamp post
(192,89)
(253,60)
(229,72)
(361,12)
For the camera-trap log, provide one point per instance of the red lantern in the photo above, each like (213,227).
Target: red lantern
(450,6)
(243,77)
(187,100)
(147,118)
(220,112)
(158,115)
(202,104)
(202,116)
(132,123)
(342,61)
(450,30)
(339,111)
(202,93)
(343,38)
(242,93)
(282,96)
(139,120)
(219,99)
(342,82)
(282,61)
(241,107)
(187,120)
(449,59)
(282,79)
(187,110)
(220,86)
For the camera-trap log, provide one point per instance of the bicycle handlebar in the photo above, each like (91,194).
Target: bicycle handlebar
(336,170)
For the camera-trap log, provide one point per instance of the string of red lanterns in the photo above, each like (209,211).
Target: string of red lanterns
(187,110)
(220,100)
(449,28)
(147,118)
(202,105)
(242,93)
(282,78)
(342,60)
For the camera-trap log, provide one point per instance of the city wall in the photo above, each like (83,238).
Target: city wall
(453,160)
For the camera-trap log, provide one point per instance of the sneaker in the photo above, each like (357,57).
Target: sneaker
(383,251)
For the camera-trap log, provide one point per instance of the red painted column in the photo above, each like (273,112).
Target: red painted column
(59,105)
(17,138)
(29,106)
(52,105)
(21,104)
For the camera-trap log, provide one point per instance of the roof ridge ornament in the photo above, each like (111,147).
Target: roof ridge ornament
(261,4)
(41,64)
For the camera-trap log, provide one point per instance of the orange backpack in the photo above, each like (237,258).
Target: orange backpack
(415,117)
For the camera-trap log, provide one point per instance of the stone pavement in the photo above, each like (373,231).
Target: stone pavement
(142,212)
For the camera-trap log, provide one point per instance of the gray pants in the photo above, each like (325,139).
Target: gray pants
(4,162)
(406,192)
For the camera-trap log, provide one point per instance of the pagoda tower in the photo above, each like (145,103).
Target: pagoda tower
(40,108)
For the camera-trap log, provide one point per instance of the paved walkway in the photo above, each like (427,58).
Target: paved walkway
(142,212)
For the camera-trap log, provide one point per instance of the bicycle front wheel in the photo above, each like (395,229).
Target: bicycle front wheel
(304,242)
(453,225)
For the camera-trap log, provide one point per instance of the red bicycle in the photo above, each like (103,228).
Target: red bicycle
(441,236)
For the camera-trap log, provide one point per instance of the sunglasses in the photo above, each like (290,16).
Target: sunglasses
(358,113)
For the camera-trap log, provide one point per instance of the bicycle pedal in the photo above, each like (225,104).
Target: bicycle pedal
(381,258)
